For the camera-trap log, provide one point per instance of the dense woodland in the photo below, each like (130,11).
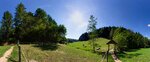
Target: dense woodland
(126,38)
(30,27)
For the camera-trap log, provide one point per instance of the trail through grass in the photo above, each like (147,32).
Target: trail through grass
(72,52)
(62,54)
(14,55)
(3,49)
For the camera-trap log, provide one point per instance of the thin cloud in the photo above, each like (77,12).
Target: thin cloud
(76,24)
(148,25)
(76,19)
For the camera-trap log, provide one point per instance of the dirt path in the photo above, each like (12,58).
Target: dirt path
(116,59)
(4,58)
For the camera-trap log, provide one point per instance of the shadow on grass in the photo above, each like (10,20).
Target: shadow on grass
(53,46)
(133,50)
(125,55)
(128,55)
(12,60)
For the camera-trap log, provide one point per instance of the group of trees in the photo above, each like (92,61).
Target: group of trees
(126,38)
(30,27)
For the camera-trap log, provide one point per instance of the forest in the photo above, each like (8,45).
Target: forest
(28,27)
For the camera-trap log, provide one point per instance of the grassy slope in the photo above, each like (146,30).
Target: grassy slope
(136,55)
(73,52)
(100,41)
(62,54)
(3,49)
(101,44)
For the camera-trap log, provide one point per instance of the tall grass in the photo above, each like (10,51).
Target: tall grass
(73,52)
(62,54)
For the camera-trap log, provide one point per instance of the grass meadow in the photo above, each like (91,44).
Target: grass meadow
(62,54)
(136,55)
(3,49)
(101,43)
(72,52)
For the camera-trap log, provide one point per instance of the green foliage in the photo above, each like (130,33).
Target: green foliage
(31,27)
(6,27)
(127,39)
(84,37)
(92,24)
(121,40)
(18,21)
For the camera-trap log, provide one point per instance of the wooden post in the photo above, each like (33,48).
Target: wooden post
(107,56)
(107,52)
(19,52)
(115,48)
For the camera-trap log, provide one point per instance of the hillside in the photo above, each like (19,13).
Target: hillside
(72,52)
(100,41)
(126,38)
(62,54)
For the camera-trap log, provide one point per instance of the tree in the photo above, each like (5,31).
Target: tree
(92,30)
(6,26)
(18,20)
(54,31)
(61,34)
(28,25)
(40,25)
(32,27)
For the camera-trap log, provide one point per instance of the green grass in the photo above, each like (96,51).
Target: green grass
(136,55)
(3,49)
(62,54)
(14,55)
(72,52)
(87,47)
(100,41)
(76,52)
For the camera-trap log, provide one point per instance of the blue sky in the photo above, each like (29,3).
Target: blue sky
(74,14)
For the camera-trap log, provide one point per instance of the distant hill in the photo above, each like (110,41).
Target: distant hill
(126,38)
(84,45)
(71,40)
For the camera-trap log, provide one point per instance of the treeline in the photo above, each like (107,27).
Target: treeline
(126,38)
(30,27)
